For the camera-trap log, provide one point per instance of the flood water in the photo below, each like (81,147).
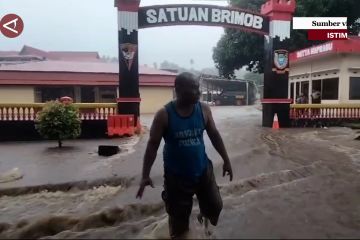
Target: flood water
(289,183)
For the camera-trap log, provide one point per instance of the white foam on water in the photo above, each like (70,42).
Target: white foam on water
(353,153)
(28,205)
(156,230)
(160,229)
(11,175)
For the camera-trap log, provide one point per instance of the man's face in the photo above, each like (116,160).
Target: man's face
(188,92)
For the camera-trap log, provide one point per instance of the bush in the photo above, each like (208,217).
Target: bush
(58,121)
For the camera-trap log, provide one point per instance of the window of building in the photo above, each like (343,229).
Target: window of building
(44,94)
(107,94)
(87,94)
(297,89)
(354,93)
(305,88)
(330,89)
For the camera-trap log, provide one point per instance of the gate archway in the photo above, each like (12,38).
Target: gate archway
(273,21)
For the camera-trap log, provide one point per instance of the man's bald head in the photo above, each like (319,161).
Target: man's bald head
(187,88)
(184,79)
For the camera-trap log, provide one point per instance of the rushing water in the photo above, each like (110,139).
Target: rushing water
(290,183)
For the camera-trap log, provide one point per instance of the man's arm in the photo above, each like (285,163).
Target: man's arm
(156,134)
(216,140)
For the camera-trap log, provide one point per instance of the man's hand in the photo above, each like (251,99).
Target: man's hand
(227,170)
(217,141)
(143,183)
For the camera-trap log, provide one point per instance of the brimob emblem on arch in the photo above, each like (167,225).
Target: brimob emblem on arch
(128,51)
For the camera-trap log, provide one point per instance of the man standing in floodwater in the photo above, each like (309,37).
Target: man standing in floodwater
(187,169)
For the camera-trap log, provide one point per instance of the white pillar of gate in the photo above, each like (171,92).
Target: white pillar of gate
(280,13)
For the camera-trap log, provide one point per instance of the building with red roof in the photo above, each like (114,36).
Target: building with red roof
(331,69)
(33,75)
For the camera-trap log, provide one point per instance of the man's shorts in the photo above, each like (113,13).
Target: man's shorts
(178,197)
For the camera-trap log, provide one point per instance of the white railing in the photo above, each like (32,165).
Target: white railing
(28,111)
(325,111)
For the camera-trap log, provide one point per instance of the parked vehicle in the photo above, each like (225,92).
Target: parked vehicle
(230,98)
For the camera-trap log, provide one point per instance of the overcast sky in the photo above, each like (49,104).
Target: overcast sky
(91,25)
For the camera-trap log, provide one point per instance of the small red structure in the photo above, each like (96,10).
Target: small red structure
(124,124)
(120,125)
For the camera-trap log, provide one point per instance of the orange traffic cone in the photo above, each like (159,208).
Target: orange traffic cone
(275,122)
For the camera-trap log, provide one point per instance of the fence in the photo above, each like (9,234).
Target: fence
(324,111)
(28,111)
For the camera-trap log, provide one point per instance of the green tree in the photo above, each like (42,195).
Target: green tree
(236,49)
(58,121)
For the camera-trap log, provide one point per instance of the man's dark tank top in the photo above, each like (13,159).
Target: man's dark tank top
(184,150)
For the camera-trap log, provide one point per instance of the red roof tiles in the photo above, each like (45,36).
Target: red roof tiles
(54,55)
(27,50)
(77,67)
(77,73)
(74,56)
(72,68)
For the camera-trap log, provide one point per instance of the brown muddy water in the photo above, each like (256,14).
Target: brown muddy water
(290,183)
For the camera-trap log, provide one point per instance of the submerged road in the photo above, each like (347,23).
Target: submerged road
(288,183)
